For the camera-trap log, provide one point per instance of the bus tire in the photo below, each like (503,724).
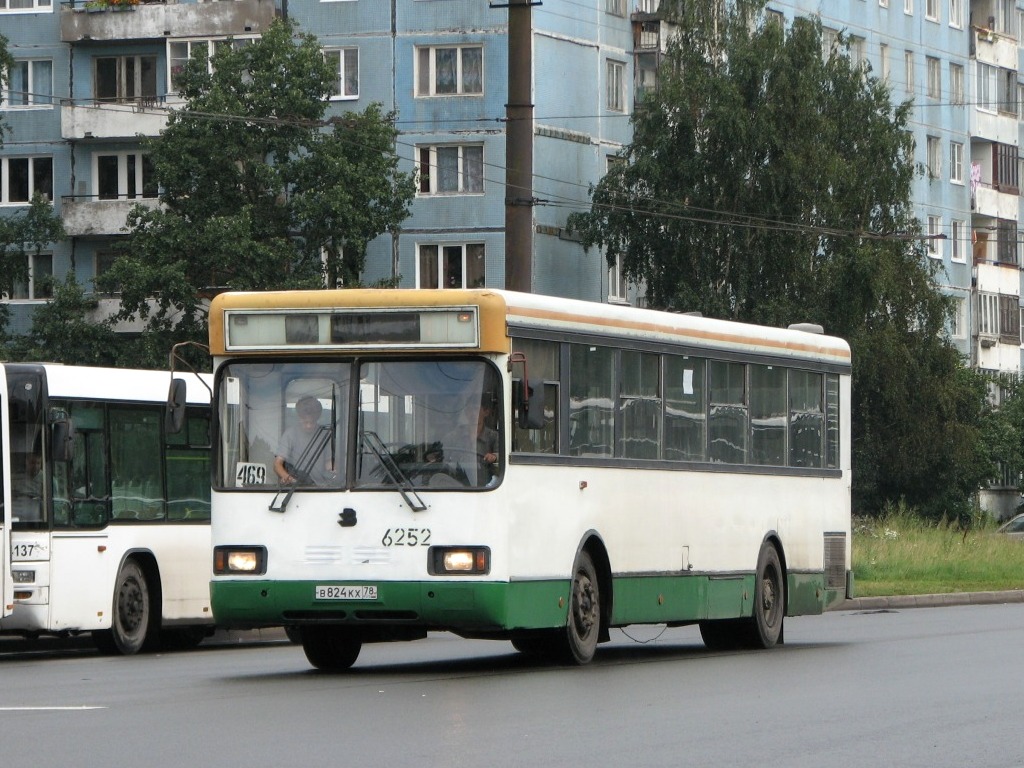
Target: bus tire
(583,627)
(764,628)
(330,649)
(132,619)
(721,634)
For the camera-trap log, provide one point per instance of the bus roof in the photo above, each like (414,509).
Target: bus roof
(549,313)
(122,384)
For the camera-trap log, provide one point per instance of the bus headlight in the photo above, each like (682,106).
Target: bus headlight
(470,561)
(250,561)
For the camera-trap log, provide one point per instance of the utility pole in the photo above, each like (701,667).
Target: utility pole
(519,148)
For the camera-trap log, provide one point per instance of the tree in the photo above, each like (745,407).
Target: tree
(769,184)
(257,190)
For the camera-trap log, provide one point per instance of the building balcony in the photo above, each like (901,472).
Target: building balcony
(998,126)
(92,217)
(993,48)
(989,201)
(158,21)
(125,120)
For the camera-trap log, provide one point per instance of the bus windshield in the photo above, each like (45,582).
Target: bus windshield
(423,423)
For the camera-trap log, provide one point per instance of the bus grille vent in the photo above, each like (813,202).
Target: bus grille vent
(835,561)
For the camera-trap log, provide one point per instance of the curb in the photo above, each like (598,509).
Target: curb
(929,601)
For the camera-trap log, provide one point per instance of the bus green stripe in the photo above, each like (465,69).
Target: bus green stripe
(498,606)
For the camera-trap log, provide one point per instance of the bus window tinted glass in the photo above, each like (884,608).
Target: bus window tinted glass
(591,412)
(806,419)
(136,466)
(727,417)
(685,403)
(768,415)
(640,406)
(542,364)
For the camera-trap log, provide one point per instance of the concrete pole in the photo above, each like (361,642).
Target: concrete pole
(519,149)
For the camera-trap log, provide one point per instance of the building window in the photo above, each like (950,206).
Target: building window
(615,7)
(986,94)
(956,83)
(908,63)
(180,51)
(931,10)
(908,6)
(934,77)
(617,281)
(1008,92)
(959,250)
(450,169)
(24,6)
(934,159)
(956,13)
(858,50)
(1020,101)
(956,162)
(29,84)
(449,70)
(956,319)
(450,265)
(884,3)
(883,55)
(934,233)
(345,64)
(1006,241)
(39,284)
(1009,319)
(23,177)
(829,42)
(616,86)
(124,78)
(123,176)
(1005,173)
(1007,11)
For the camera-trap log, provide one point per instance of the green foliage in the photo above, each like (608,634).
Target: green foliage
(258,191)
(767,184)
(23,234)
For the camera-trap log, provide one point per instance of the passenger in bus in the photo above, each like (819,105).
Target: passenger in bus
(28,483)
(475,435)
(303,455)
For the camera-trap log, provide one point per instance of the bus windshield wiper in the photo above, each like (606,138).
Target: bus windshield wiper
(303,467)
(394,472)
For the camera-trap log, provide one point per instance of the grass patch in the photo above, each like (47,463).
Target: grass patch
(901,554)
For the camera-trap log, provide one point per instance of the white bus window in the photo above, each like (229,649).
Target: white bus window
(685,405)
(727,417)
(768,415)
(640,405)
(806,419)
(136,464)
(591,413)
(542,364)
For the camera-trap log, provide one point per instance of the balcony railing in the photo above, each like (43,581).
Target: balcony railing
(103,19)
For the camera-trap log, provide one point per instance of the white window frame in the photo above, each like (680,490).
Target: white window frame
(34,6)
(617,286)
(934,230)
(957,326)
(426,56)
(428,169)
(5,187)
(908,63)
(123,84)
(934,71)
(122,176)
(987,87)
(884,3)
(211,44)
(883,59)
(956,14)
(908,7)
(615,7)
(443,249)
(958,238)
(956,162)
(32,90)
(931,10)
(343,62)
(29,290)
(956,83)
(615,85)
(933,156)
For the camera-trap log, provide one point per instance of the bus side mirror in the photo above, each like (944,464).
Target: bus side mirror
(63,440)
(174,415)
(530,404)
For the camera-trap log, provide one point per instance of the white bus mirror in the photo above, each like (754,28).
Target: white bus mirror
(174,416)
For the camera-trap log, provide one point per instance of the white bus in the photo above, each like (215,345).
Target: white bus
(655,469)
(106,515)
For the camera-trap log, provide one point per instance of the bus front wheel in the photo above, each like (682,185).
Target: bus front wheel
(132,617)
(330,649)
(584,623)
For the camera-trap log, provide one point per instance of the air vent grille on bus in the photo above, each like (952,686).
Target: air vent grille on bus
(835,561)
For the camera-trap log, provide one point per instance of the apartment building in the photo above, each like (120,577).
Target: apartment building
(90,78)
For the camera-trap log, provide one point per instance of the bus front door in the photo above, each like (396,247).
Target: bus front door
(6,581)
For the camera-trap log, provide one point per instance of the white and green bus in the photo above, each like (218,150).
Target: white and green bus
(522,468)
(105,513)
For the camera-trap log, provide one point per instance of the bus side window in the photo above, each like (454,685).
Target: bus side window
(545,439)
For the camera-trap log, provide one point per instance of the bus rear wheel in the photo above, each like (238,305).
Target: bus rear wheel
(330,649)
(133,618)
(764,628)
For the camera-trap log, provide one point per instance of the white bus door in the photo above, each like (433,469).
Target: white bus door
(6,582)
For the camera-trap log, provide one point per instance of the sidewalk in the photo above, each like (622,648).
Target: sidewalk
(929,601)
